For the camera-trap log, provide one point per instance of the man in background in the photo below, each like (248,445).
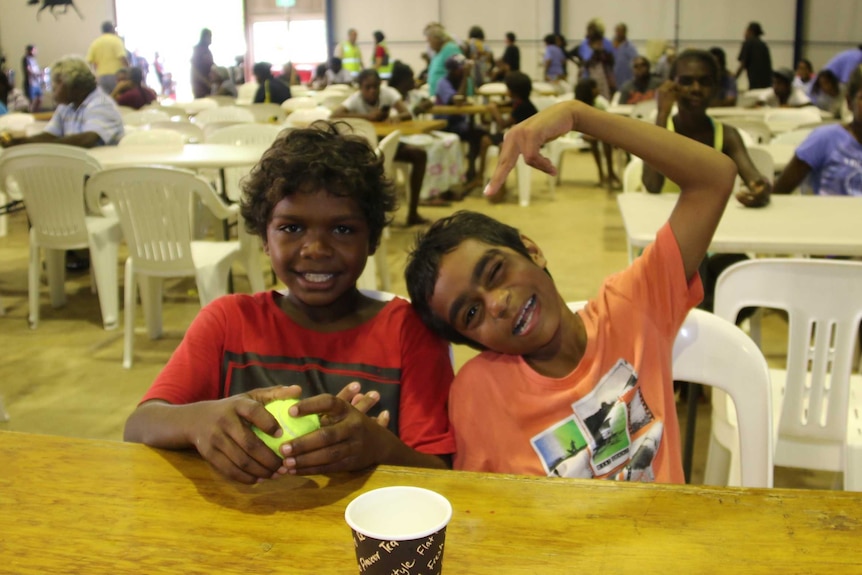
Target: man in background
(624,55)
(349,53)
(106,55)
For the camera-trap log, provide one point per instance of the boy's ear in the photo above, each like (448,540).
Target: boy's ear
(535,252)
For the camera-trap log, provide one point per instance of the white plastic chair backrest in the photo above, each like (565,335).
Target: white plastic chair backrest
(615,99)
(154,137)
(241,134)
(545,88)
(757,129)
(804,115)
(16,121)
(493,89)
(751,97)
(197,105)
(304,117)
(298,103)
(747,139)
(223,100)
(176,113)
(299,90)
(50,179)
(362,128)
(645,110)
(763,161)
(191,132)
(712,351)
(145,116)
(266,112)
(245,92)
(332,101)
(793,137)
(156,213)
(223,114)
(632,176)
(824,307)
(387,148)
(543,102)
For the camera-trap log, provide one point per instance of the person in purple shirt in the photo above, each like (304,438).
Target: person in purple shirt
(624,55)
(554,59)
(843,63)
(831,156)
(584,53)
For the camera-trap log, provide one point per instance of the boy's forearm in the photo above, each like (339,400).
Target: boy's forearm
(158,424)
(399,453)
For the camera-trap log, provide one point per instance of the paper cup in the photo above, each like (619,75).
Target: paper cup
(399,530)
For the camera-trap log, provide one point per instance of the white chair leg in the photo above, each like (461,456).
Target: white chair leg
(33,274)
(524,173)
(717,470)
(555,155)
(151,301)
(103,256)
(250,250)
(129,302)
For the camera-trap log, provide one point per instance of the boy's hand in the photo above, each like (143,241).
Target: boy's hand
(666,97)
(221,432)
(756,194)
(346,441)
(363,401)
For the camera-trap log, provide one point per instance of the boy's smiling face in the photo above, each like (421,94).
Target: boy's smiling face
(498,297)
(318,246)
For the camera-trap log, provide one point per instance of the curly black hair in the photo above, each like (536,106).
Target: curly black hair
(703,56)
(325,156)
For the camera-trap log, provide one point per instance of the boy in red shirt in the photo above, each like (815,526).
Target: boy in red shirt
(557,392)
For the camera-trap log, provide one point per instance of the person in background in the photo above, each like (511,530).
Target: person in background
(237,71)
(624,55)
(133,93)
(754,58)
(665,63)
(726,92)
(270,89)
(512,54)
(600,66)
(349,54)
(642,86)
(32,78)
(319,200)
(783,93)
(222,85)
(382,61)
(805,77)
(477,50)
(831,156)
(159,67)
(553,60)
(587,91)
(844,63)
(289,75)
(584,51)
(107,54)
(202,63)
(443,47)
(336,74)
(826,93)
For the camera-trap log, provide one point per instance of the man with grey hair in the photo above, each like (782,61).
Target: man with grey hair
(85,116)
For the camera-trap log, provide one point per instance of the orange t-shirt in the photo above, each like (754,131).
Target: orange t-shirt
(614,415)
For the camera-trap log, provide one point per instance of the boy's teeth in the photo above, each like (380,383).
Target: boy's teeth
(317,278)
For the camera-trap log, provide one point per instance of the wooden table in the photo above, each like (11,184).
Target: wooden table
(409,128)
(83,506)
(811,225)
(464,110)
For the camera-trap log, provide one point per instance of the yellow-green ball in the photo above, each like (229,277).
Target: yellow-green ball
(293,426)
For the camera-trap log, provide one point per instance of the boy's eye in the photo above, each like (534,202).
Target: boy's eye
(290,228)
(343,229)
(470,314)
(495,271)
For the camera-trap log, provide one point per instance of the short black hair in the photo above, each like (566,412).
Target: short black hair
(365,74)
(807,62)
(136,75)
(510,36)
(325,156)
(551,39)
(444,236)
(830,76)
(262,70)
(107,27)
(400,73)
(756,28)
(519,84)
(702,56)
(378,36)
(476,32)
(585,91)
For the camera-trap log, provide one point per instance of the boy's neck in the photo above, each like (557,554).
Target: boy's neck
(350,310)
(562,355)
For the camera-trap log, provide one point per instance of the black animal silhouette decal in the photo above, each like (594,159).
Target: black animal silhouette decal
(53,4)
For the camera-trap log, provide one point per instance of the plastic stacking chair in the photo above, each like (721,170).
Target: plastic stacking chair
(246,93)
(556,148)
(304,117)
(523,172)
(223,114)
(155,208)
(50,179)
(145,116)
(223,100)
(377,264)
(632,176)
(298,103)
(712,351)
(266,113)
(793,137)
(192,133)
(241,135)
(361,127)
(16,122)
(154,137)
(817,399)
(792,116)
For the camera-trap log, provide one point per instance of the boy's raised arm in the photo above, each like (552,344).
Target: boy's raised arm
(704,175)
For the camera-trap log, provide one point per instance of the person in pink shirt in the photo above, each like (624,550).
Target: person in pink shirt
(557,392)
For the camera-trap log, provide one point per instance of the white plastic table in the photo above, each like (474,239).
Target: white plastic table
(190,156)
(810,225)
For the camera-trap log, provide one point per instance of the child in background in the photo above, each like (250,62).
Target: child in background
(319,201)
(557,392)
(587,91)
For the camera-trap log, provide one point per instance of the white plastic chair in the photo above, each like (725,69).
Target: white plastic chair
(378,263)
(240,135)
(633,176)
(197,105)
(16,122)
(817,400)
(556,148)
(523,172)
(757,129)
(154,137)
(192,134)
(797,116)
(793,137)
(298,103)
(145,116)
(50,179)
(223,114)
(645,110)
(712,351)
(361,127)
(543,102)
(266,113)
(304,117)
(763,161)
(331,100)
(177,113)
(223,100)
(155,208)
(245,93)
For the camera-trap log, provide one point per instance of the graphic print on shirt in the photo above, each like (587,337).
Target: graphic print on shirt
(842,174)
(611,433)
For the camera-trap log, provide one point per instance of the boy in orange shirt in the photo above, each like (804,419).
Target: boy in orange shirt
(557,392)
